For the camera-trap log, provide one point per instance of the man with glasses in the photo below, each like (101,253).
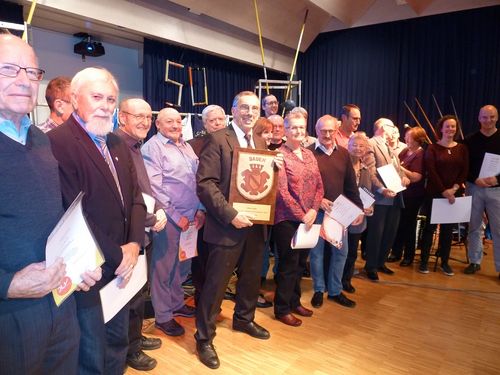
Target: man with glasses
(231,236)
(350,121)
(135,117)
(37,336)
(58,96)
(270,105)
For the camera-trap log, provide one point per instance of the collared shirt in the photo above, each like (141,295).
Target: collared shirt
(319,145)
(172,170)
(47,125)
(341,139)
(240,134)
(8,128)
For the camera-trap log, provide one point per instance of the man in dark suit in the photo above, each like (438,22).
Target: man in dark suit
(97,162)
(232,238)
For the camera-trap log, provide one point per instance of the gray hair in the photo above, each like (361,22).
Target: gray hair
(211,108)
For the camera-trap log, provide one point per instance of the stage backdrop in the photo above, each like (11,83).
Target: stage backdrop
(225,78)
(379,67)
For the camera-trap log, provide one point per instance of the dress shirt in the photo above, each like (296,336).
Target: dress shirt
(172,169)
(47,125)
(8,128)
(240,134)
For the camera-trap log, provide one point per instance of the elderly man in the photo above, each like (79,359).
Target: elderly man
(350,120)
(485,190)
(231,236)
(38,336)
(382,226)
(270,105)
(58,96)
(338,178)
(278,131)
(97,162)
(135,121)
(171,165)
(214,118)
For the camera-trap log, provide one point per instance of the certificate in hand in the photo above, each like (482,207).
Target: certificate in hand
(344,211)
(445,213)
(332,231)
(391,178)
(73,241)
(490,166)
(187,243)
(305,239)
(366,197)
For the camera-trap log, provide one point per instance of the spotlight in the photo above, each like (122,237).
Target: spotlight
(88,47)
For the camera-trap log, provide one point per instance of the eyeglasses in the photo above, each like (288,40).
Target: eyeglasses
(139,117)
(12,70)
(245,108)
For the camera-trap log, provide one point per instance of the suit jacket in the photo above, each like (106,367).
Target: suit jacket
(83,168)
(213,182)
(381,154)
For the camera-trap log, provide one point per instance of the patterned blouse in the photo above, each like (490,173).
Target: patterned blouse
(299,187)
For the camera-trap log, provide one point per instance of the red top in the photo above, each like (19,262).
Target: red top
(299,187)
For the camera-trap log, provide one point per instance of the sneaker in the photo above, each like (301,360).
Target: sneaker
(185,311)
(447,270)
(423,268)
(472,268)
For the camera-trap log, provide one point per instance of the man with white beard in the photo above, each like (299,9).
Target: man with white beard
(97,162)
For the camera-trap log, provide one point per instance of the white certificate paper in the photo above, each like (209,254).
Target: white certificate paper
(73,241)
(114,298)
(332,231)
(150,206)
(391,178)
(445,213)
(366,197)
(188,242)
(344,211)
(306,239)
(490,166)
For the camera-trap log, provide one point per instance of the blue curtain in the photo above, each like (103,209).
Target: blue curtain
(225,78)
(379,67)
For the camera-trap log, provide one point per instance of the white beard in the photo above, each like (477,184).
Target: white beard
(100,127)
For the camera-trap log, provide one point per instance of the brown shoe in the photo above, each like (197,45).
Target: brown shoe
(290,320)
(302,311)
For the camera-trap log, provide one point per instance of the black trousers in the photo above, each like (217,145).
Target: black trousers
(221,261)
(352,255)
(406,236)
(198,266)
(290,268)
(382,227)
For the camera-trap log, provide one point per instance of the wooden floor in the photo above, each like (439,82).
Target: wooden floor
(407,323)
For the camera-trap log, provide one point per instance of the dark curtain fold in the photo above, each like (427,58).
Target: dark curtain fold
(379,67)
(225,78)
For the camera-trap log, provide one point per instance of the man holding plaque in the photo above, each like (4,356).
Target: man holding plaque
(37,336)
(96,161)
(231,236)
(483,185)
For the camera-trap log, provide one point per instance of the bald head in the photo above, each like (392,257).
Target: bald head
(382,126)
(135,118)
(18,88)
(488,118)
(169,124)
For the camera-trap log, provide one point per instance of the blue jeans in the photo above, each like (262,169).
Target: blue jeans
(483,199)
(337,262)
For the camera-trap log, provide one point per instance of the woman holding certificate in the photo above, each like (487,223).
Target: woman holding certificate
(300,191)
(447,164)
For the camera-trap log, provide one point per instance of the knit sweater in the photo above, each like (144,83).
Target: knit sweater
(30,207)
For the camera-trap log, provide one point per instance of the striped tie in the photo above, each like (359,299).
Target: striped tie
(248,138)
(107,156)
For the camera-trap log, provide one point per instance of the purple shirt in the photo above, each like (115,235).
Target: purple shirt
(172,169)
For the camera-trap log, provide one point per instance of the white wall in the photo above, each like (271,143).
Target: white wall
(56,57)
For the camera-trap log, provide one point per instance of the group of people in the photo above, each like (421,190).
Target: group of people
(189,183)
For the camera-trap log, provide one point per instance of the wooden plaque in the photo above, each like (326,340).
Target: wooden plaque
(254,182)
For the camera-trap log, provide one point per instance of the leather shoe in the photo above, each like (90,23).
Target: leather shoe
(385,270)
(252,329)
(349,288)
(317,299)
(150,343)
(262,302)
(170,328)
(302,311)
(342,300)
(372,275)
(141,361)
(290,320)
(207,355)
(406,263)
(393,259)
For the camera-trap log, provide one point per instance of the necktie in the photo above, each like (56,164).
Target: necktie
(248,138)
(107,156)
